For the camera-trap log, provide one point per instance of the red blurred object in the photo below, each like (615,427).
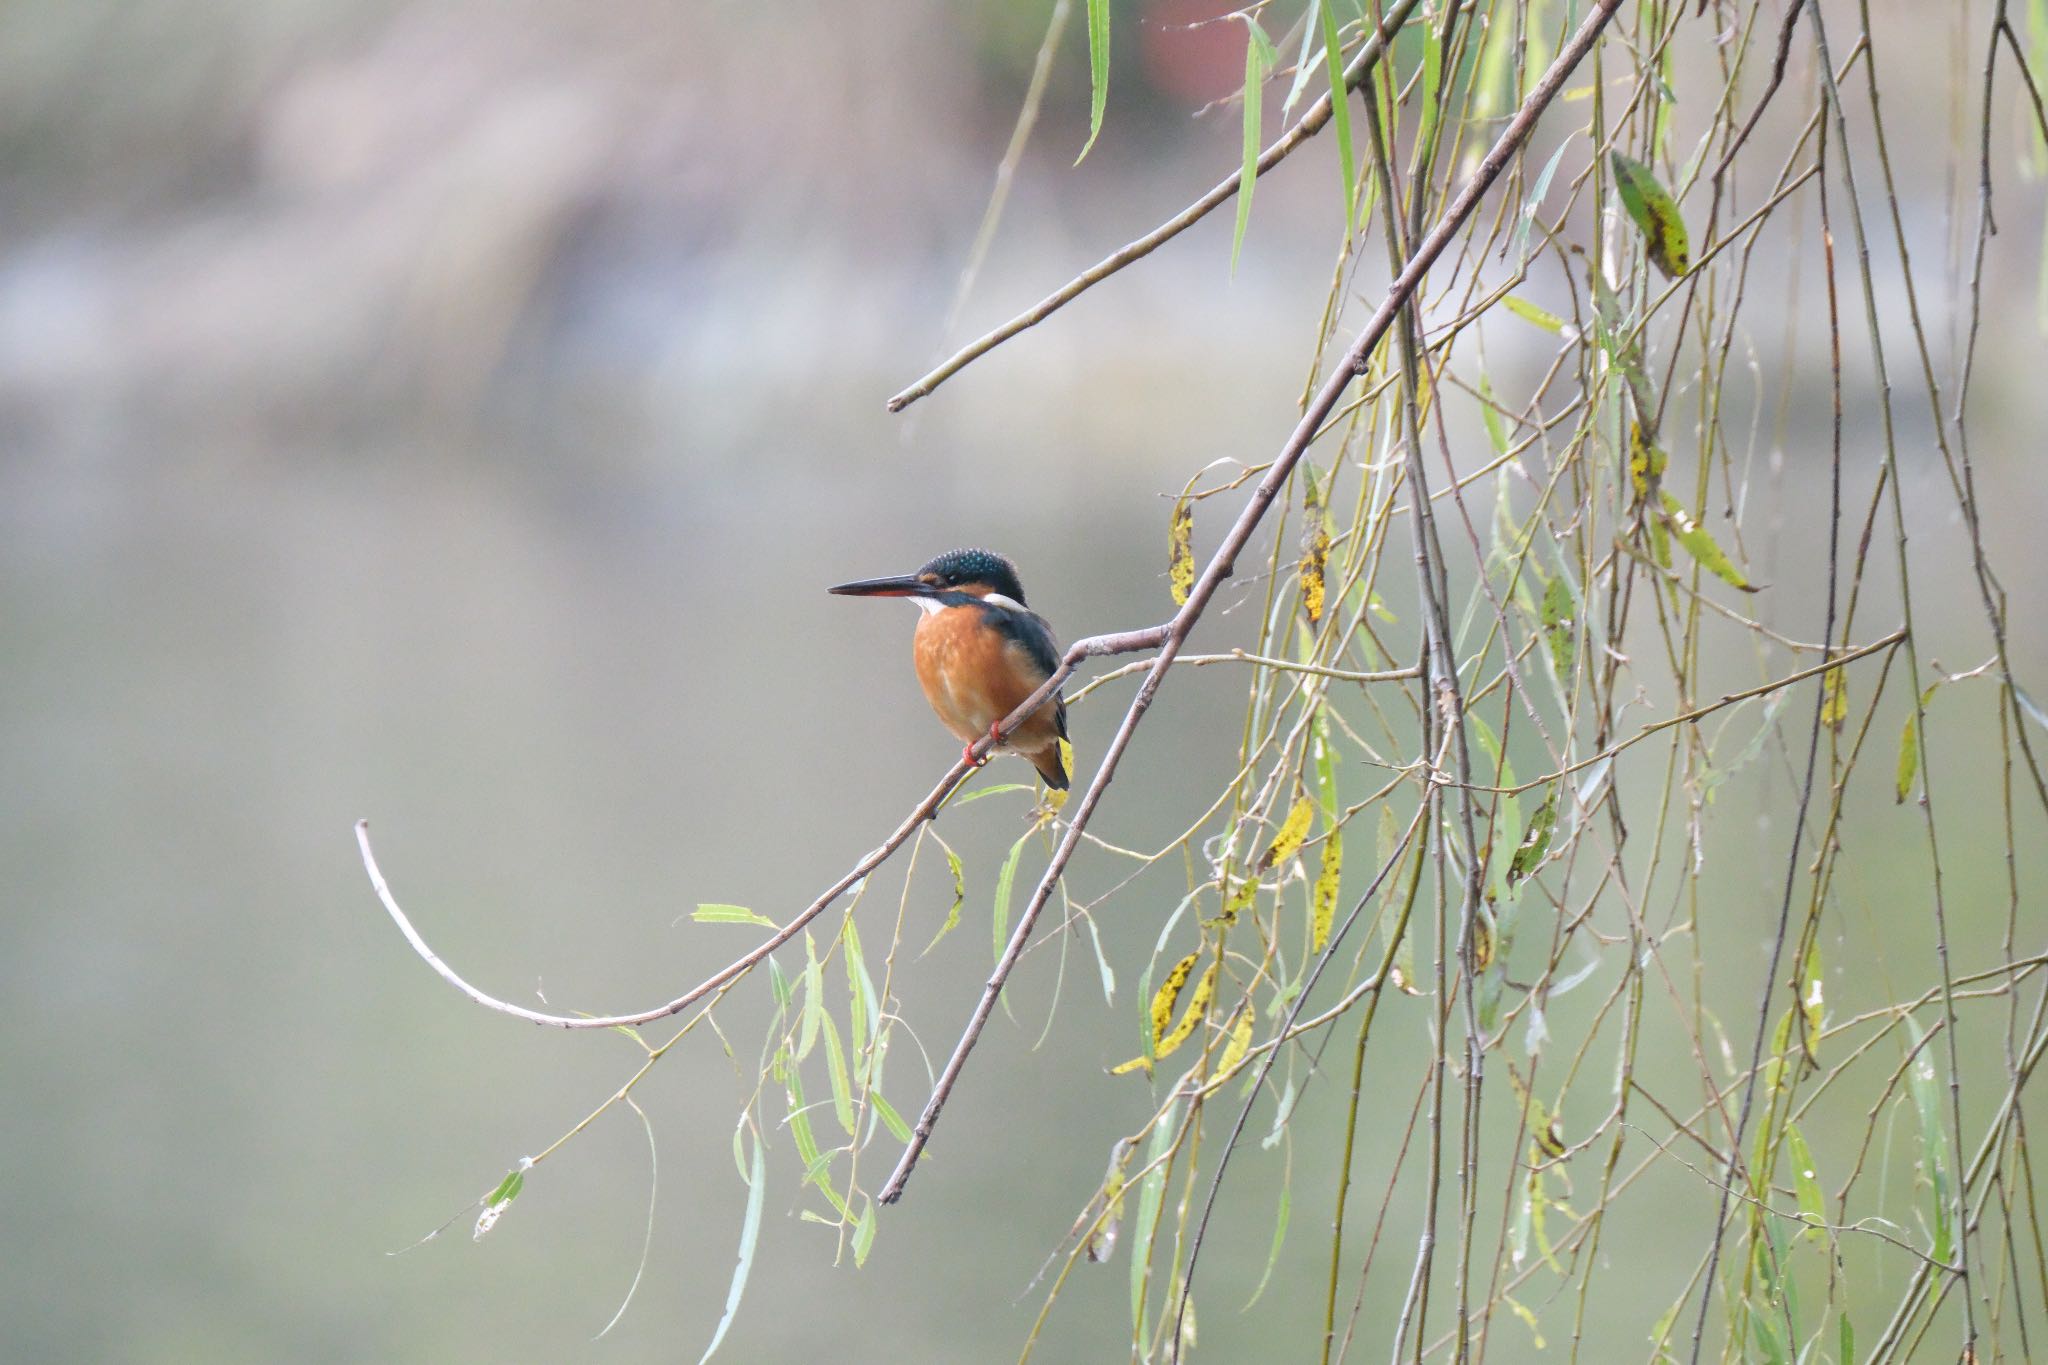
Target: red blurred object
(1197,65)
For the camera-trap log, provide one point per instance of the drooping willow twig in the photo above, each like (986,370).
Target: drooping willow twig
(1125,642)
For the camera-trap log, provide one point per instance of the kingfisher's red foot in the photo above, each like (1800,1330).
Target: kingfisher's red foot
(967,756)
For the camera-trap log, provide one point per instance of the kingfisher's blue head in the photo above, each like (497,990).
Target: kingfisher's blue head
(974,573)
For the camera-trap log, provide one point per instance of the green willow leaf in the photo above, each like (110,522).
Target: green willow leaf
(731,914)
(1005,880)
(1925,1087)
(1560,627)
(835,1066)
(863,1236)
(1909,759)
(1258,60)
(959,897)
(1529,312)
(891,1120)
(1813,1207)
(1340,114)
(1098,72)
(1700,545)
(1655,214)
(750,1232)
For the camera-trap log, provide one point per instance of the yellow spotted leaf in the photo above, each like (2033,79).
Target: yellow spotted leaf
(1543,1133)
(1834,699)
(1163,1002)
(1315,559)
(1240,1041)
(1239,901)
(1180,546)
(1293,830)
(1198,1008)
(1168,995)
(1646,461)
(1655,214)
(1323,902)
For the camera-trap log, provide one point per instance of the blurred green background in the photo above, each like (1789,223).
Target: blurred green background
(450,413)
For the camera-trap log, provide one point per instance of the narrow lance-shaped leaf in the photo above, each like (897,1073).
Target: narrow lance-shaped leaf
(1005,880)
(1258,60)
(1813,1209)
(1536,842)
(731,914)
(1646,463)
(1293,831)
(1934,1160)
(835,1066)
(495,1202)
(1812,1001)
(1151,1189)
(1834,699)
(1163,1001)
(1323,899)
(1340,114)
(861,988)
(1197,1010)
(1909,758)
(814,999)
(1560,626)
(1655,215)
(1240,1040)
(1180,551)
(1701,546)
(750,1232)
(864,1235)
(1164,1039)
(959,897)
(1530,313)
(1098,71)
(891,1120)
(1330,875)
(1315,552)
(1104,1216)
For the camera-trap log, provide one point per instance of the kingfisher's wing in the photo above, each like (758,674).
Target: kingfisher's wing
(1030,632)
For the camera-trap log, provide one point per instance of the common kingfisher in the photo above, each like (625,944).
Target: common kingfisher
(980,652)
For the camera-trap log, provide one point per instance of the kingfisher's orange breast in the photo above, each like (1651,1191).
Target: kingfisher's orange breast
(974,675)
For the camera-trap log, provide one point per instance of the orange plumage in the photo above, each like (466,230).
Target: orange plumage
(974,676)
(981,653)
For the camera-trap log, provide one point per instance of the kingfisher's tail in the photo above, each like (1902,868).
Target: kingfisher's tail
(1051,766)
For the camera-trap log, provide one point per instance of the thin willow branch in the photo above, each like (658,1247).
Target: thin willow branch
(1125,642)
(1307,127)
(1697,713)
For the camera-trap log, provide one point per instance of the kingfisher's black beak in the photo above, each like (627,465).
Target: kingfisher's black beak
(899,585)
